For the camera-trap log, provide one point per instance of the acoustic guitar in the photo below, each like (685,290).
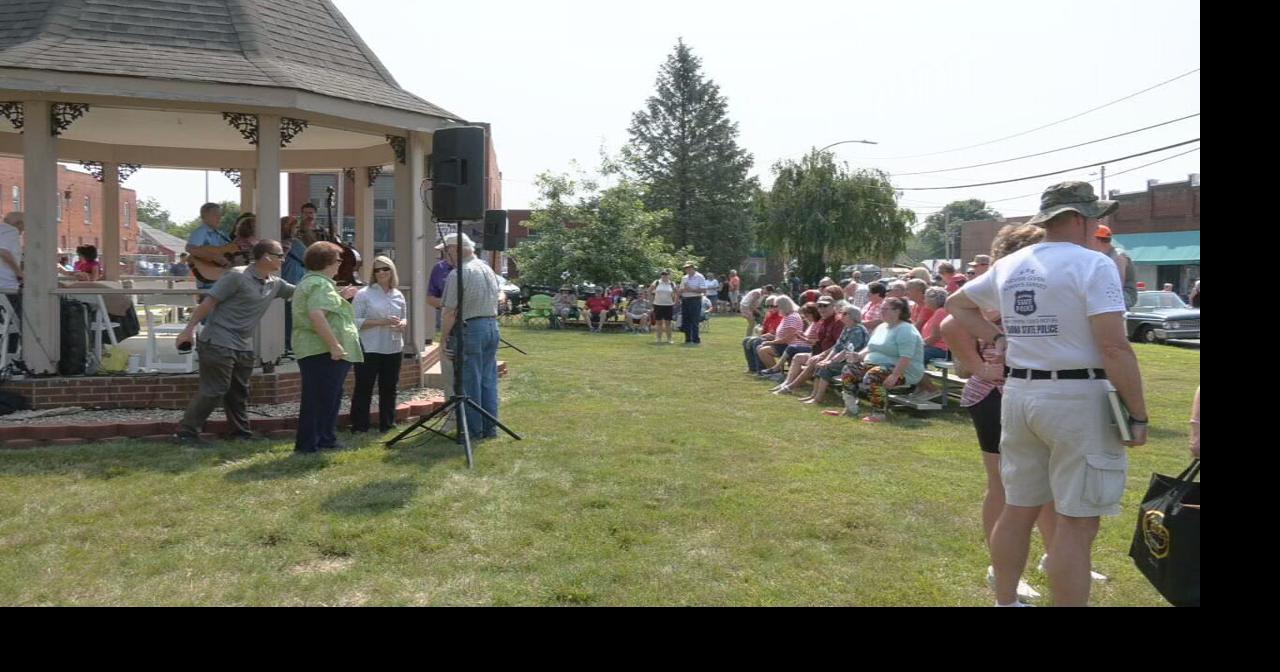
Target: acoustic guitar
(209,272)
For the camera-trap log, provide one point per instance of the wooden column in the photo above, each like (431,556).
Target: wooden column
(41,316)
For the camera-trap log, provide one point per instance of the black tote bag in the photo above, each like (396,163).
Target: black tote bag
(1166,545)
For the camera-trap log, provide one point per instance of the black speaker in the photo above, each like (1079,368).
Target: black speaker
(495,230)
(458,173)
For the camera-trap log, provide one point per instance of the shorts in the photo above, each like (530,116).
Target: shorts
(986,421)
(778,349)
(831,371)
(1057,444)
(931,353)
(597,317)
(663,313)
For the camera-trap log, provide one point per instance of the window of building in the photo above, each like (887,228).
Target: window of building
(17,198)
(87,211)
(58,210)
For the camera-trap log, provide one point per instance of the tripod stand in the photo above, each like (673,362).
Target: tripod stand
(459,402)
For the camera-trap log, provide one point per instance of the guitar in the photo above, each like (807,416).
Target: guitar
(209,272)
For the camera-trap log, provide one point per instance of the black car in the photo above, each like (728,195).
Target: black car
(1160,316)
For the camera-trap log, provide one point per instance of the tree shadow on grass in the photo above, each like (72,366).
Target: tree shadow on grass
(124,458)
(373,498)
(292,465)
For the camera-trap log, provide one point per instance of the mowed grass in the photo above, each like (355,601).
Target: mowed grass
(649,475)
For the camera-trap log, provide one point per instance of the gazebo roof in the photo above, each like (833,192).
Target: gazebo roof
(305,45)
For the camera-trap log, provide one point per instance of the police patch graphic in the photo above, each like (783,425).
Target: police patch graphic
(1024,303)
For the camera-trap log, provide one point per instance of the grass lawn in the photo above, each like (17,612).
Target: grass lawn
(649,475)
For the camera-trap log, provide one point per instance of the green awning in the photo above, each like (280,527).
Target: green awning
(1161,249)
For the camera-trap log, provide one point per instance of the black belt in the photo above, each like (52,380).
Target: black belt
(481,317)
(1066,374)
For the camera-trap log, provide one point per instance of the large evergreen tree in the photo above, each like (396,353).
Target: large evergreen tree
(684,151)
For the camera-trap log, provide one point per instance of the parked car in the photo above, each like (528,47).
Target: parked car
(1160,316)
(868,272)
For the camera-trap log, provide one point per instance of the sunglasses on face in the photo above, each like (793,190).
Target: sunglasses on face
(277,255)
(384,269)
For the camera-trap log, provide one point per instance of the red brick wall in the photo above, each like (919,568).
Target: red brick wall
(73,227)
(1163,207)
(299,188)
(176,391)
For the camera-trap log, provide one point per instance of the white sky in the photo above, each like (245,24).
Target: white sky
(560,79)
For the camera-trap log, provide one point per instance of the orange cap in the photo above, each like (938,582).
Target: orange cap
(1103,231)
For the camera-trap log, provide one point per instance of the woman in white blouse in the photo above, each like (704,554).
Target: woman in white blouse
(381,317)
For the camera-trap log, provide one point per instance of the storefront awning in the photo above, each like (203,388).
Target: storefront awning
(1161,249)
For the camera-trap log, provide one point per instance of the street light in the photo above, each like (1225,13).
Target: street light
(845,142)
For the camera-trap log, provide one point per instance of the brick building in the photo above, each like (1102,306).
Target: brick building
(1159,228)
(79,210)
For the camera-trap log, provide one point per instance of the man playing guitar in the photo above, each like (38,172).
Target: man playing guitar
(209,248)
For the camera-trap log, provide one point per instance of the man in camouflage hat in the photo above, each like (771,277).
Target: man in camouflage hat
(1061,306)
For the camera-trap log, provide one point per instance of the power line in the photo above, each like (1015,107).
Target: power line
(1056,172)
(1051,151)
(1129,170)
(1038,128)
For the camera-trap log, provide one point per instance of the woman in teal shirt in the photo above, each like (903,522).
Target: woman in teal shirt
(894,354)
(326,343)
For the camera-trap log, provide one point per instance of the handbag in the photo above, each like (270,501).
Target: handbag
(1166,544)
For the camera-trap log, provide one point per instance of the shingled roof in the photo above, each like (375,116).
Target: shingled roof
(298,44)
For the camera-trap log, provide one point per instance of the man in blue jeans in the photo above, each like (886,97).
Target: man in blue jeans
(479,324)
(692,287)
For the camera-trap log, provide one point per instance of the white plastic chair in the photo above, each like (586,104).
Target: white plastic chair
(100,324)
(9,329)
(151,361)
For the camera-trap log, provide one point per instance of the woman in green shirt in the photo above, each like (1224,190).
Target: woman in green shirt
(326,343)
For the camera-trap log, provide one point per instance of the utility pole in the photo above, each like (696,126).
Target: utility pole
(1104,183)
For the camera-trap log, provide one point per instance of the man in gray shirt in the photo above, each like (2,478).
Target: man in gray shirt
(478,322)
(234,305)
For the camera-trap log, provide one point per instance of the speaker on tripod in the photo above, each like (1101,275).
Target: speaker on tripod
(457,166)
(495,230)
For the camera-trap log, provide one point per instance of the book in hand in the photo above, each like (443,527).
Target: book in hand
(1119,415)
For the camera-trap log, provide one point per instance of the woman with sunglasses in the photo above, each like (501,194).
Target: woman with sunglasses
(381,317)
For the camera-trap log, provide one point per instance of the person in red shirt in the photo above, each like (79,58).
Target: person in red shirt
(952,279)
(598,306)
(768,328)
(826,332)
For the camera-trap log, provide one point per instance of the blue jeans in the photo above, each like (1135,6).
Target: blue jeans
(690,316)
(480,374)
(749,347)
(932,353)
(793,350)
(322,380)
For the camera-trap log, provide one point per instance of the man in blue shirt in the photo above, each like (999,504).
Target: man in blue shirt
(435,299)
(203,241)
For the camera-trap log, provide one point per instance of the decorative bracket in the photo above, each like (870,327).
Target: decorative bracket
(13,112)
(399,146)
(62,114)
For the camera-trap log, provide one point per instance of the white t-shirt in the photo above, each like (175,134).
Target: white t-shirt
(752,300)
(1046,294)
(11,240)
(664,293)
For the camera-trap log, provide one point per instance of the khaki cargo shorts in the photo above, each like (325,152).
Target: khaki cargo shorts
(1057,444)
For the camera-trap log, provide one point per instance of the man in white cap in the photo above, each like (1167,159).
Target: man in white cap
(478,320)
(692,288)
(1062,310)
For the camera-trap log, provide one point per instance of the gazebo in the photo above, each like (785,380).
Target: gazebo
(248,87)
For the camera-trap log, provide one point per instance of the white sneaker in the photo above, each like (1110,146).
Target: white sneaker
(1025,591)
(1095,576)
